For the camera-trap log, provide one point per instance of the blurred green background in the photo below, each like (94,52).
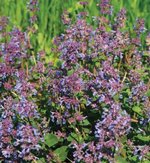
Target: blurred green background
(49,17)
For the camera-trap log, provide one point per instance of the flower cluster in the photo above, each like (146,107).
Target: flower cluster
(90,106)
(105,7)
(33,8)
(108,131)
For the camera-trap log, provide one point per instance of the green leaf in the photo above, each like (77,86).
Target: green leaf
(120,159)
(136,109)
(146,54)
(128,91)
(148,93)
(145,161)
(116,97)
(70,72)
(41,160)
(40,38)
(86,130)
(75,137)
(61,153)
(36,26)
(50,139)
(133,158)
(143,138)
(72,137)
(85,122)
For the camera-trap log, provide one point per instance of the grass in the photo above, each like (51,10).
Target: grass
(49,17)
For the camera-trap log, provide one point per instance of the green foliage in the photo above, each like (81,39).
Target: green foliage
(49,16)
(120,159)
(61,153)
(50,140)
(54,144)
(143,138)
(136,109)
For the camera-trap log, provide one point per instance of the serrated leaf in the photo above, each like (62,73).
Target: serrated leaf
(50,139)
(61,153)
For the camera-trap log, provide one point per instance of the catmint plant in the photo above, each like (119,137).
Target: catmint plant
(92,105)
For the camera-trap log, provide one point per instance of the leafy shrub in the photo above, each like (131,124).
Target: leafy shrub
(92,106)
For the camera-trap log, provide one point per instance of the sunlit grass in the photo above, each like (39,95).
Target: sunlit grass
(49,17)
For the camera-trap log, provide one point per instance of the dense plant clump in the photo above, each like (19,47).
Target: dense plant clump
(93,105)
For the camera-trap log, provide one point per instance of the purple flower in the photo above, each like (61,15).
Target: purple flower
(105,7)
(140,26)
(26,108)
(3,23)
(84,3)
(7,152)
(121,19)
